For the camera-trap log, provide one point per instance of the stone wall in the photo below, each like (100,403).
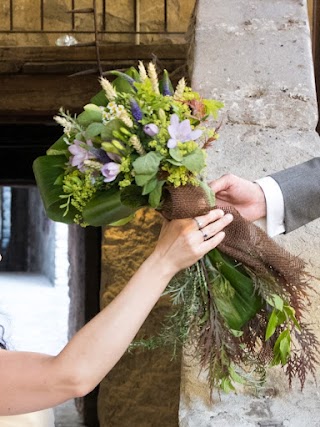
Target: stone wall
(142,390)
(41,238)
(256,57)
(31,247)
(119,17)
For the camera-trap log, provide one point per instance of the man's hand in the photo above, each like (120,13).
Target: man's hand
(245,196)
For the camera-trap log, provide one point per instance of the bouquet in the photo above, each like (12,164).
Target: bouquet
(140,142)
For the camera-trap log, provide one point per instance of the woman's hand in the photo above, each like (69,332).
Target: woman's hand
(183,242)
(245,196)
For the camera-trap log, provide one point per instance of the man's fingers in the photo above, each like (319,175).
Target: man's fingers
(221,184)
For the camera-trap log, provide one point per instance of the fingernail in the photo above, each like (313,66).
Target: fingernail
(219,211)
(229,216)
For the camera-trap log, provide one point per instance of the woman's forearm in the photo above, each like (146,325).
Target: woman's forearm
(33,381)
(108,335)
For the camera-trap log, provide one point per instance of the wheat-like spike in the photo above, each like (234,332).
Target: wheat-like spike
(178,94)
(93,164)
(111,94)
(124,116)
(142,71)
(152,73)
(135,141)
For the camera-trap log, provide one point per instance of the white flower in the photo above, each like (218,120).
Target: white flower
(181,131)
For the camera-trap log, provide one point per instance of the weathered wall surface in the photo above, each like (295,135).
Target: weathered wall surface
(256,57)
(142,390)
(119,17)
(41,238)
(31,246)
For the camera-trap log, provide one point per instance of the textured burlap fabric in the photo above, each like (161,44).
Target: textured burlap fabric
(244,242)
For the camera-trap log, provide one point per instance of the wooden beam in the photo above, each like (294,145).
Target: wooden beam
(112,52)
(36,82)
(78,66)
(41,96)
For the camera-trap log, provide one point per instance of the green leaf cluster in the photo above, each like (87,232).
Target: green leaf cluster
(282,316)
(146,169)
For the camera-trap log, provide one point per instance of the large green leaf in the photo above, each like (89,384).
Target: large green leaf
(155,195)
(47,171)
(132,196)
(94,129)
(142,179)
(59,147)
(175,153)
(147,164)
(237,309)
(100,99)
(89,116)
(122,85)
(195,161)
(106,208)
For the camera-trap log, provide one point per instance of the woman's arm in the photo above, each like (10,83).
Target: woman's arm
(32,381)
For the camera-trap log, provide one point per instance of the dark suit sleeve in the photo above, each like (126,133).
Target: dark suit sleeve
(300,186)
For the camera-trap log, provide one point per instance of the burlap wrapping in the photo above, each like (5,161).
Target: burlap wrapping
(244,242)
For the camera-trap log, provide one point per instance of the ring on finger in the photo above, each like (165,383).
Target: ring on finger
(199,224)
(204,235)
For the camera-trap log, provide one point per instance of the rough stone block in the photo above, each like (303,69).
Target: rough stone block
(256,56)
(262,77)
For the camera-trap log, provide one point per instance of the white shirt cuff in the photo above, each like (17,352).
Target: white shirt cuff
(274,222)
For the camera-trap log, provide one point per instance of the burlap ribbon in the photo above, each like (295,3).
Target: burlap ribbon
(244,242)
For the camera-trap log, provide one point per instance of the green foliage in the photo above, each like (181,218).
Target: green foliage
(212,107)
(89,116)
(233,290)
(281,349)
(94,129)
(48,171)
(131,196)
(148,164)
(60,147)
(156,194)
(100,99)
(110,128)
(106,208)
(194,162)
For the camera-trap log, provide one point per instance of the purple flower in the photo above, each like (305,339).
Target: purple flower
(135,110)
(166,84)
(80,152)
(100,155)
(181,131)
(110,171)
(151,129)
